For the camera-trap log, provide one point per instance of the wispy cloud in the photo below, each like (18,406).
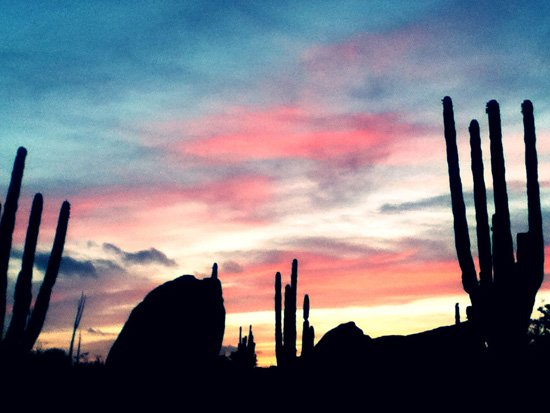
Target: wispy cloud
(143,257)
(429,203)
(96,332)
(69,267)
(232,267)
(242,134)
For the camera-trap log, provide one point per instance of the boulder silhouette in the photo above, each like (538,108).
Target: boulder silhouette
(178,326)
(346,347)
(343,346)
(454,343)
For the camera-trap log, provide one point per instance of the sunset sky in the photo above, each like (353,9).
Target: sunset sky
(249,133)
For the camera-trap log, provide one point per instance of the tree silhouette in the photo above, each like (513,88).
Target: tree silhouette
(539,333)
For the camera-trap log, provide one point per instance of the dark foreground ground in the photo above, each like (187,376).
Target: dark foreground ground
(440,385)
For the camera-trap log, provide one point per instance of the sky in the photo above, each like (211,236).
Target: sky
(250,133)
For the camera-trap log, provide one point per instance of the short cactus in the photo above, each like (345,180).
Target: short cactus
(308,332)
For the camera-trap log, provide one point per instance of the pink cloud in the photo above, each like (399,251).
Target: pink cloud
(377,52)
(125,210)
(239,192)
(242,134)
(375,65)
(314,125)
(332,281)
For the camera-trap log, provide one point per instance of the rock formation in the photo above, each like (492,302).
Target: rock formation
(178,326)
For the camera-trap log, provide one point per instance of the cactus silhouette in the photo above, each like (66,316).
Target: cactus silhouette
(278,320)
(285,330)
(503,296)
(289,332)
(308,332)
(25,326)
(246,350)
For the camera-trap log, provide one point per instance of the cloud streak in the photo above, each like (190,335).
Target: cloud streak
(428,203)
(243,134)
(143,257)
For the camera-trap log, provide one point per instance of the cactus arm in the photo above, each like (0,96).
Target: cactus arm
(251,344)
(462,238)
(294,277)
(530,253)
(307,339)
(293,302)
(23,287)
(533,192)
(531,162)
(42,301)
(503,247)
(286,324)
(305,326)
(292,299)
(484,299)
(306,307)
(278,320)
(285,342)
(482,218)
(7,225)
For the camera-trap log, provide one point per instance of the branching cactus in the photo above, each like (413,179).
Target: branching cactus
(504,294)
(25,326)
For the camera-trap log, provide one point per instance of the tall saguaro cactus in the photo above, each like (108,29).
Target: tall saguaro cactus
(503,296)
(24,330)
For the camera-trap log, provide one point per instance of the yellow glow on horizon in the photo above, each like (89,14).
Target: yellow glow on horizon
(399,319)
(377,321)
